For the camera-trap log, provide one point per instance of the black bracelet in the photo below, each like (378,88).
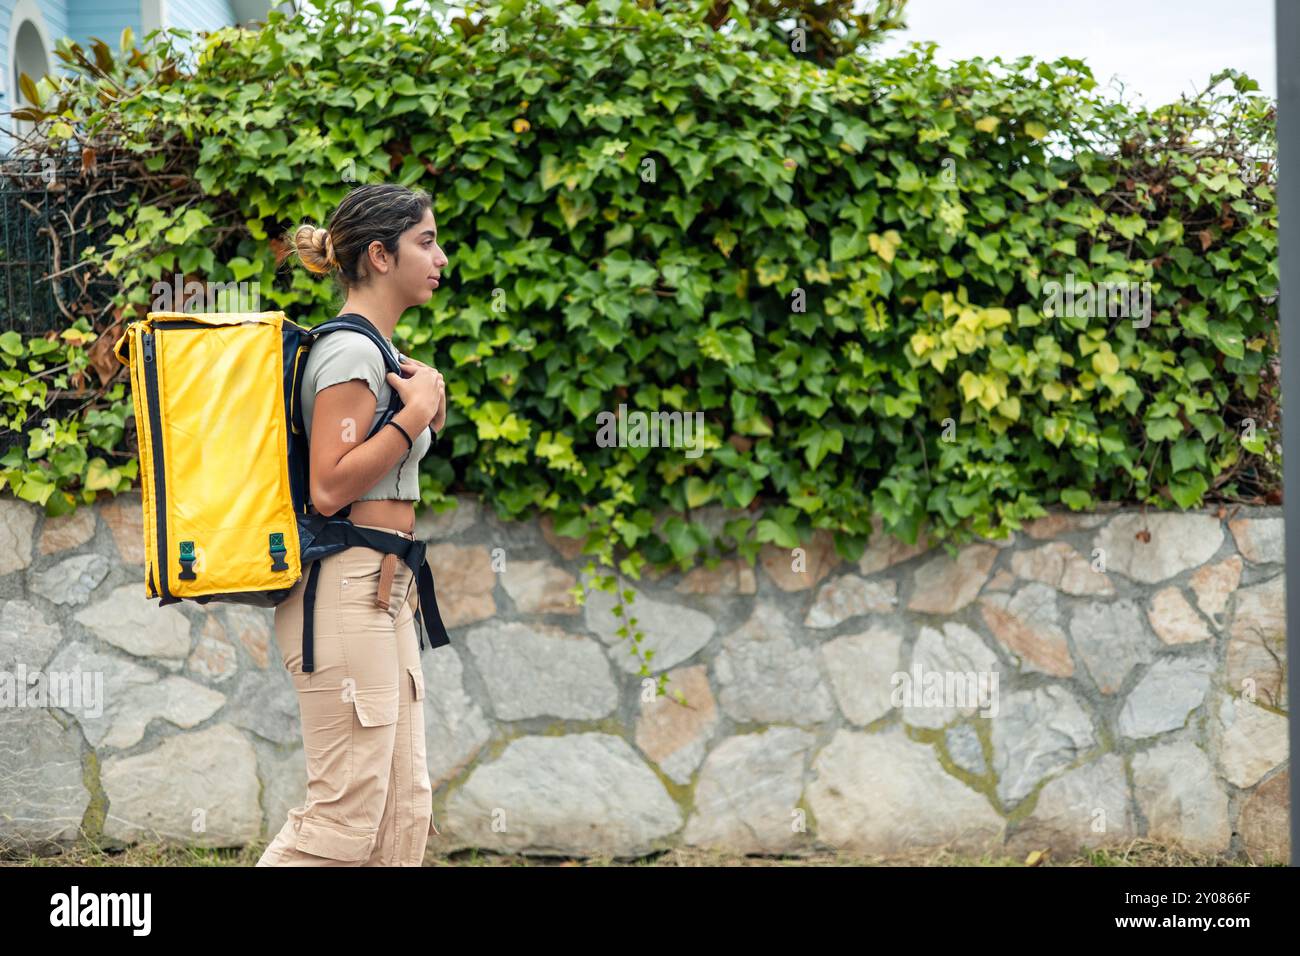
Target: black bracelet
(409,443)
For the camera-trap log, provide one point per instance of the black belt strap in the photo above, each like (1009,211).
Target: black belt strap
(339,535)
(309,619)
(424,581)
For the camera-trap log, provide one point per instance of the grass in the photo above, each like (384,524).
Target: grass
(1136,853)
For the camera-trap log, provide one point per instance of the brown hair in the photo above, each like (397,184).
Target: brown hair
(367,213)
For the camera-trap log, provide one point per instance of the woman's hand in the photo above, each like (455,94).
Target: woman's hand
(421,387)
(440,418)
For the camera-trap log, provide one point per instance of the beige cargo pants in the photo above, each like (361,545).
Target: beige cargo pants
(369,799)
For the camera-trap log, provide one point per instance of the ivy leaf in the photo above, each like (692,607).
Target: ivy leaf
(34,490)
(885,246)
(1227,338)
(1164,429)
(99,477)
(1188,488)
(699,492)
(552,173)
(819,442)
(581,402)
(1187,454)
(1097,184)
(1105,362)
(574,211)
(11,343)
(773,531)
(743,488)
(681,538)
(1076,499)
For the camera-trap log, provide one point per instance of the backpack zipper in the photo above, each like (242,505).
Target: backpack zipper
(185,324)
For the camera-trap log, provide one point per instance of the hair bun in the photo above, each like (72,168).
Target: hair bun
(369,213)
(315,248)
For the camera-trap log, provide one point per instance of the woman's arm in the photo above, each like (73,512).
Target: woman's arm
(344,465)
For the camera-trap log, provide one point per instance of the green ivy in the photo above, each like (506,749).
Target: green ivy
(41,379)
(844,269)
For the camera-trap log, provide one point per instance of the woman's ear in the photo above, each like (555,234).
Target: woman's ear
(377,256)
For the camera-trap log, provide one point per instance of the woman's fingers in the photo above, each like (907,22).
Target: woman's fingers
(417,363)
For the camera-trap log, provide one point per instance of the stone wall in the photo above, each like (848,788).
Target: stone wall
(1130,672)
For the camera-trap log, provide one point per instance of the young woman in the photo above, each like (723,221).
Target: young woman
(369,799)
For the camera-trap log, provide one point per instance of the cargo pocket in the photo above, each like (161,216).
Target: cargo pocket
(358,584)
(417,682)
(375,706)
(334,841)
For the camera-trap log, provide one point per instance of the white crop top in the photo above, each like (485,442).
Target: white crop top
(344,355)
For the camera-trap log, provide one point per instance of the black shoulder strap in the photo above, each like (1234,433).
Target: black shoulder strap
(356,322)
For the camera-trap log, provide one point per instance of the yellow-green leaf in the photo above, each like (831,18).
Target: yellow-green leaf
(699,492)
(574,212)
(1105,362)
(885,246)
(99,477)
(551,171)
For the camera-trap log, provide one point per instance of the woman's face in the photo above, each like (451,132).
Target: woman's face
(420,261)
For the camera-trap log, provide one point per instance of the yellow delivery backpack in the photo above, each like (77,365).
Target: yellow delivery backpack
(224,463)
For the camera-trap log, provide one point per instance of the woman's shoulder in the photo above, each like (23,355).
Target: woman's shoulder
(346,346)
(343,355)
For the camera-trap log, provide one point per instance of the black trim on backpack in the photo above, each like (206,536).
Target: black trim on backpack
(159,471)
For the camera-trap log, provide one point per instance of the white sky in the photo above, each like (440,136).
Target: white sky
(1158,48)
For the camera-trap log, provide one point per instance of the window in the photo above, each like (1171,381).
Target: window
(28,53)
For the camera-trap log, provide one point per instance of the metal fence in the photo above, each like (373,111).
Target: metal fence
(48,216)
(51,210)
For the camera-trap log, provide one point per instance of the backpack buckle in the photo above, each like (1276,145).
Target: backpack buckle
(277,552)
(187,562)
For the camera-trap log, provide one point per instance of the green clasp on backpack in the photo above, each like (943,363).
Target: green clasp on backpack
(187,561)
(277,551)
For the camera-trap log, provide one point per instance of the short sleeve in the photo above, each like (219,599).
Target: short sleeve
(343,356)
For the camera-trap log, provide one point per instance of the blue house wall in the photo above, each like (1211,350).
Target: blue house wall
(84,20)
(105,19)
(198,15)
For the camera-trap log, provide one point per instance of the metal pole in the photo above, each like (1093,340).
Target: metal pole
(1287,31)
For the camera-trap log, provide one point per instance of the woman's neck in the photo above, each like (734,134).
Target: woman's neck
(382,312)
